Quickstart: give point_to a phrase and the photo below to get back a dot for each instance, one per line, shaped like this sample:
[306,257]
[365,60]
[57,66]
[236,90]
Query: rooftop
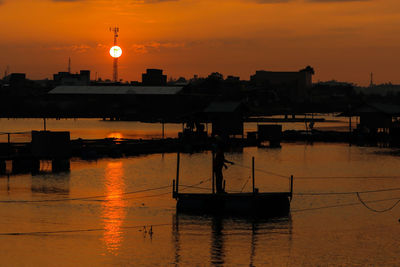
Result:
[117,90]
[222,107]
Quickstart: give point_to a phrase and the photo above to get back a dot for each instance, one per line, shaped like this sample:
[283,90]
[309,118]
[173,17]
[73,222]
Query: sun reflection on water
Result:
[115,135]
[114,212]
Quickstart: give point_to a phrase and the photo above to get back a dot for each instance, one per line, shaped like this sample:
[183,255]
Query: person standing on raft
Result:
[219,163]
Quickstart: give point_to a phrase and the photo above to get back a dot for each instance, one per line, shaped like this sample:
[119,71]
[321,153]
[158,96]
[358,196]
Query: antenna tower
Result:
[115,30]
[371,83]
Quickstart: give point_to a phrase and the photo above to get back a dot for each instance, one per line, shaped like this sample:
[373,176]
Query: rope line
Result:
[345,204]
[168,224]
[168,193]
[347,193]
[347,177]
[5,133]
[81,230]
[263,171]
[245,184]
[105,196]
[84,198]
[319,177]
[375,210]
[273,173]
[148,196]
[195,187]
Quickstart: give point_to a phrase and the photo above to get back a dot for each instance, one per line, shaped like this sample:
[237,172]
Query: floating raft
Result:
[267,205]
[236,204]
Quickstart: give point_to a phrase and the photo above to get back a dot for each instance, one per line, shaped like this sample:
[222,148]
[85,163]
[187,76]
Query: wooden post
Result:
[9,144]
[177,174]
[213,174]
[163,130]
[291,187]
[173,189]
[350,130]
[252,170]
[350,124]
[305,121]
[44,124]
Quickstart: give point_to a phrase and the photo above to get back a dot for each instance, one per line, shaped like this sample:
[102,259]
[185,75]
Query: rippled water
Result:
[98,129]
[102,215]
[321,231]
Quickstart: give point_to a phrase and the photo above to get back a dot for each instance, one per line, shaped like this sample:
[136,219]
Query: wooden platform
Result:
[270,204]
[252,204]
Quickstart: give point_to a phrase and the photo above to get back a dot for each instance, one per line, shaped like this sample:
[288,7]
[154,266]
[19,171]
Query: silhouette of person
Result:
[219,163]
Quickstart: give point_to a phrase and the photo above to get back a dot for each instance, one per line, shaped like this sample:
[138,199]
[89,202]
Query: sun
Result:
[115,51]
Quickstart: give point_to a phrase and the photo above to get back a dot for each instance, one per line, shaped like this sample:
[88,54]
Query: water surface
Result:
[322,230]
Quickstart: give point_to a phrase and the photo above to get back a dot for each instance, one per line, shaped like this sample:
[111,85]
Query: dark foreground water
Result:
[108,230]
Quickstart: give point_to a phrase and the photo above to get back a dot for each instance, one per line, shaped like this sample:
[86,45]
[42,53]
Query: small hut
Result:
[226,118]
[378,122]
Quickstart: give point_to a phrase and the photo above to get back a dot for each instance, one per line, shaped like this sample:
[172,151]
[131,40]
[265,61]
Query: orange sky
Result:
[343,40]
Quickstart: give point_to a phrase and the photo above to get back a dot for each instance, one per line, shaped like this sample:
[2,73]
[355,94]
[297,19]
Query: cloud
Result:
[271,1]
[155,47]
[307,1]
[141,2]
[129,3]
[102,46]
[74,48]
[151,1]
[337,1]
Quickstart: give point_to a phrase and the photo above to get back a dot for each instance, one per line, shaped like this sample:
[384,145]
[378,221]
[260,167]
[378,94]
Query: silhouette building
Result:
[154,77]
[66,78]
[15,79]
[293,84]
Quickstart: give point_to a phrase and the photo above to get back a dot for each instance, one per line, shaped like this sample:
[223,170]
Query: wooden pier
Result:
[44,146]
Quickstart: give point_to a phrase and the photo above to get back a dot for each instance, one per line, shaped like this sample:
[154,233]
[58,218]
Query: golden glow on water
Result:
[323,230]
[113,212]
[115,135]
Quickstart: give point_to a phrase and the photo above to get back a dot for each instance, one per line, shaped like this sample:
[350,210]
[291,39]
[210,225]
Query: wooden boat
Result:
[269,204]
